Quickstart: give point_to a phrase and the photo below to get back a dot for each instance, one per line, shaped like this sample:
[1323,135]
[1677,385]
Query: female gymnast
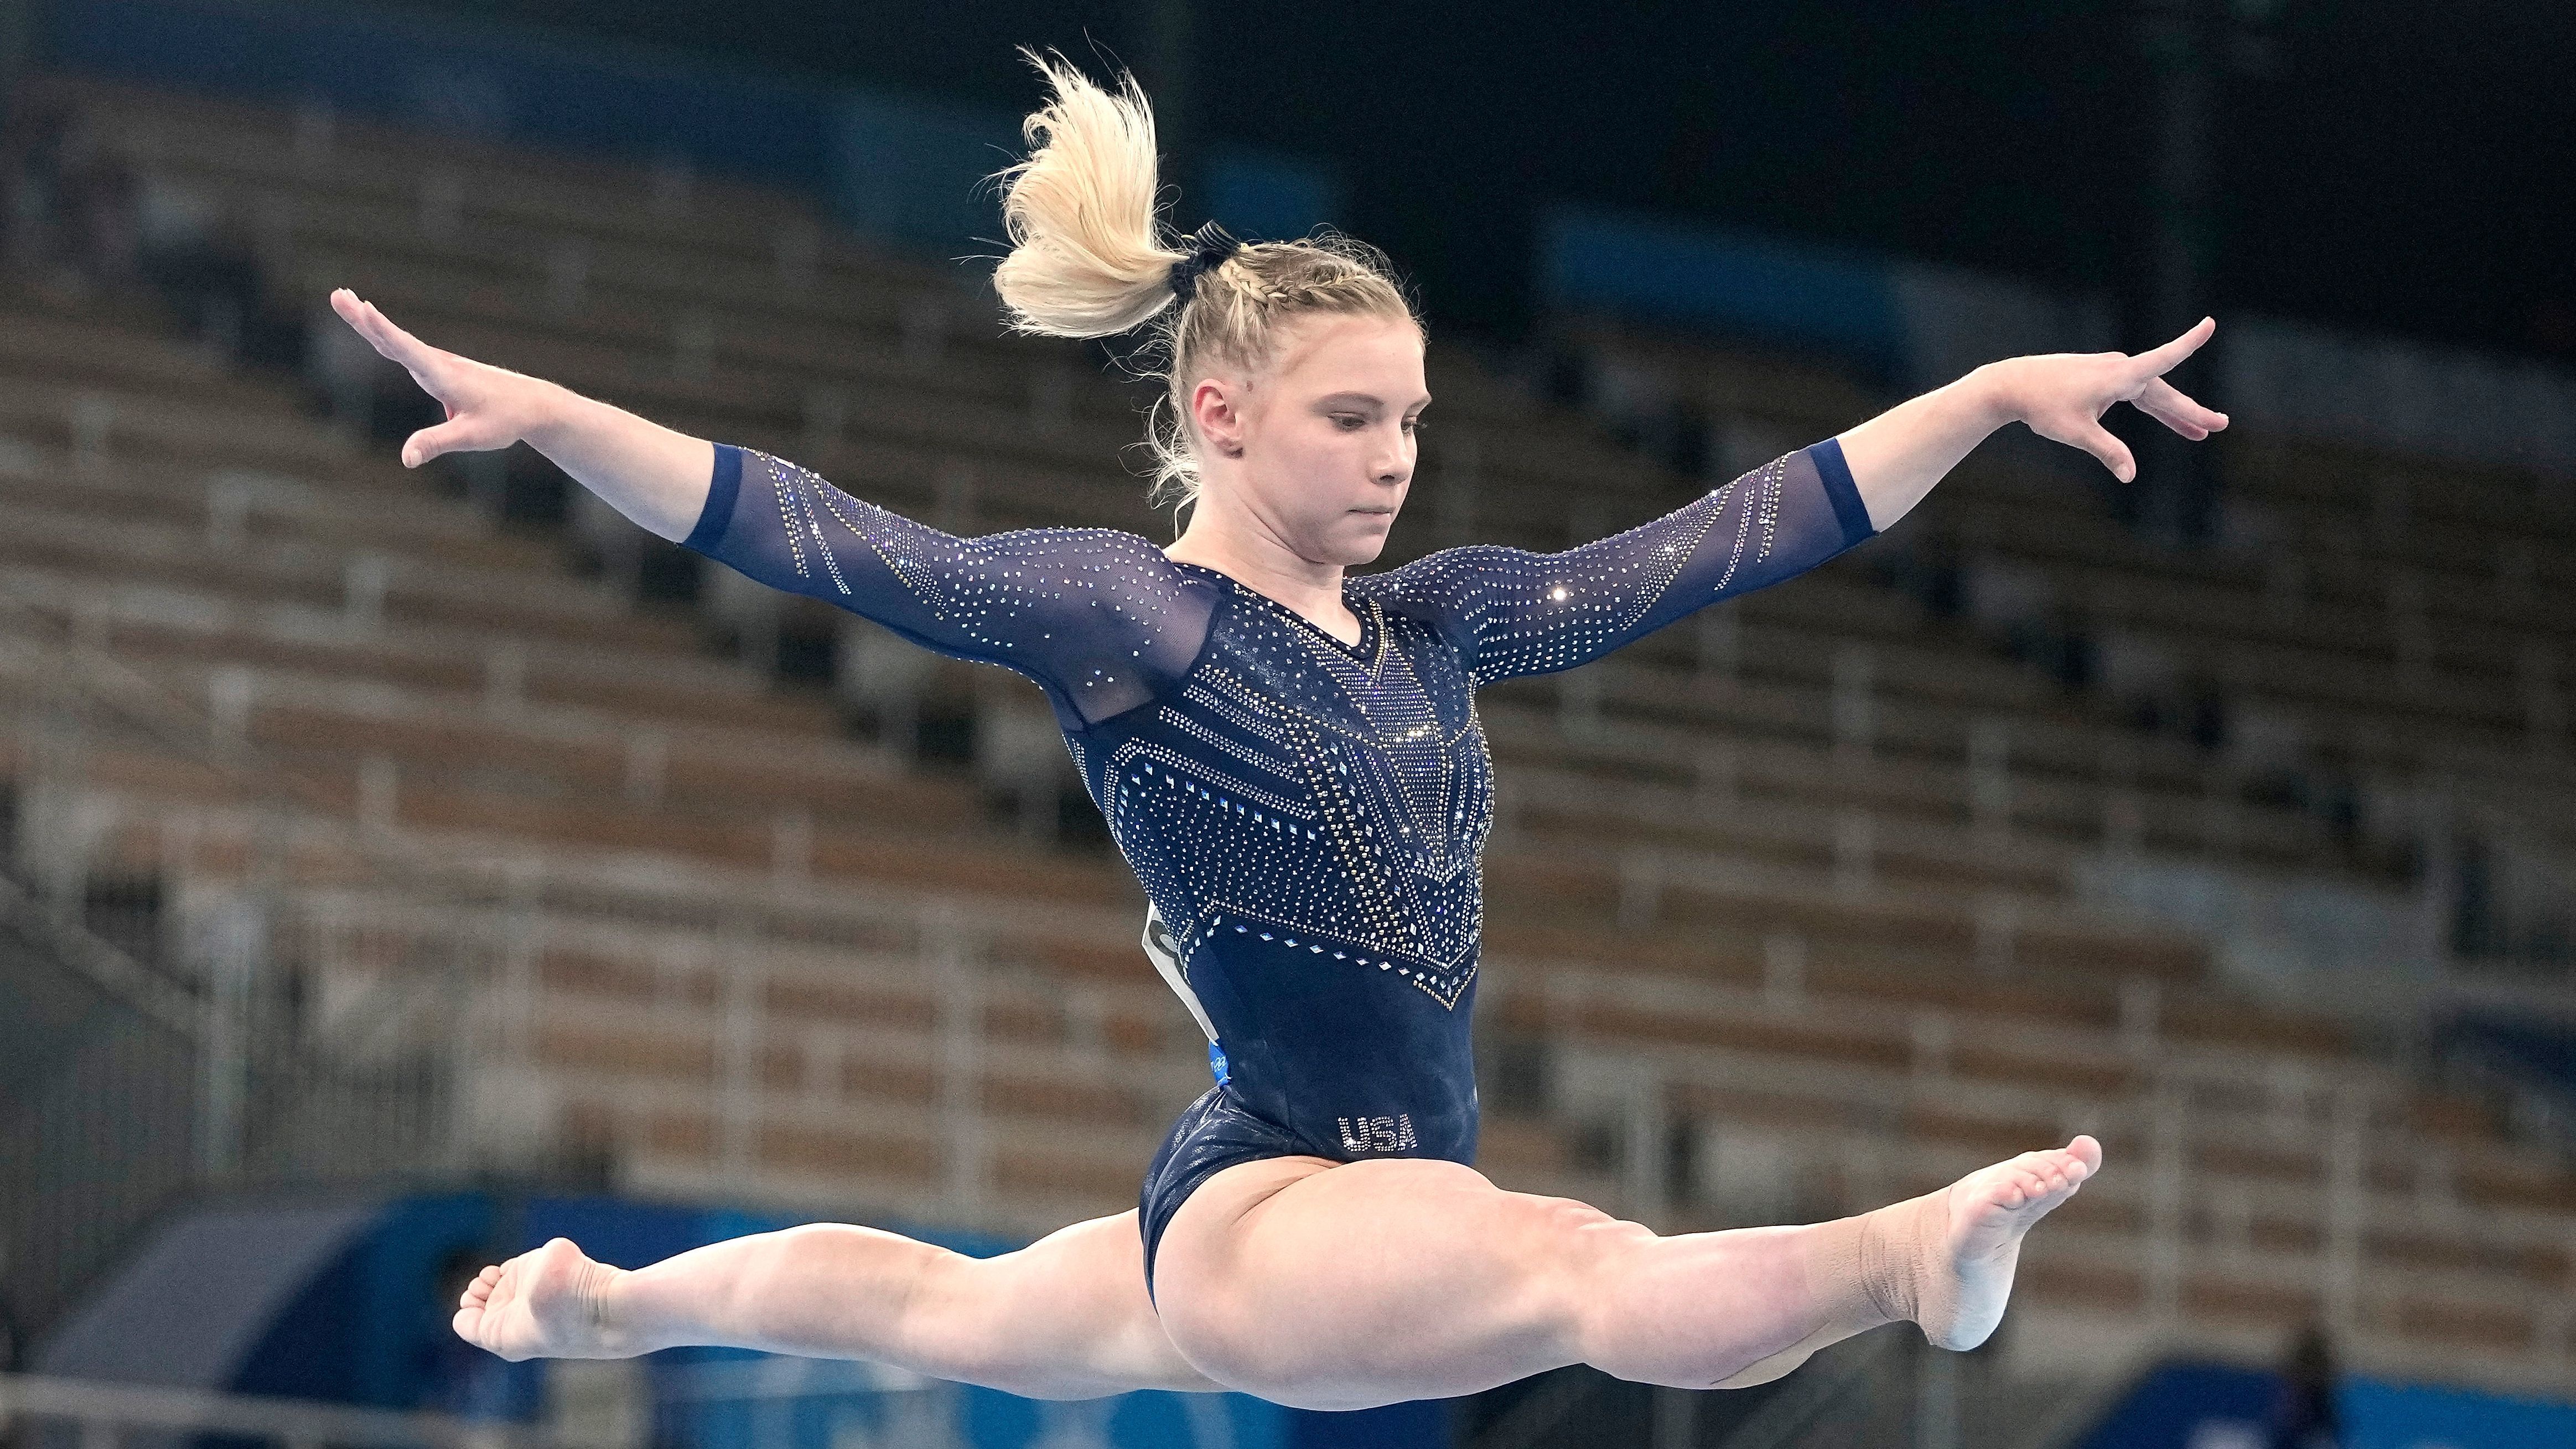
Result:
[1289,758]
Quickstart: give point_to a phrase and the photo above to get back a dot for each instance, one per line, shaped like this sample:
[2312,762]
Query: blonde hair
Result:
[1089,258]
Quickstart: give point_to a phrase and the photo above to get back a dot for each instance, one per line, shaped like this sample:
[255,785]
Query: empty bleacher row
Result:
[1799,857]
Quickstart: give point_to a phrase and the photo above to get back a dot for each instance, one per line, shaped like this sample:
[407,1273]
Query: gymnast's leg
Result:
[1346,1286]
[1064,1318]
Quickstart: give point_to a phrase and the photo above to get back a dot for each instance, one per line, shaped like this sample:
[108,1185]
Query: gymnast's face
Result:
[1318,451]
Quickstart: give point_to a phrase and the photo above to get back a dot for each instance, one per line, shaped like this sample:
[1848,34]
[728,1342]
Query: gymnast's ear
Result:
[1217,412]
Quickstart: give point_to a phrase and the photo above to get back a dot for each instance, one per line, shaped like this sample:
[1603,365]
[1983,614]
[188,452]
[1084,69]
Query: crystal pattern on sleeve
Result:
[1516,612]
[1097,616]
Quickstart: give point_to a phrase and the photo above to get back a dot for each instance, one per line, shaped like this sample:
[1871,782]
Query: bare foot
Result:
[1968,1238]
[540,1304]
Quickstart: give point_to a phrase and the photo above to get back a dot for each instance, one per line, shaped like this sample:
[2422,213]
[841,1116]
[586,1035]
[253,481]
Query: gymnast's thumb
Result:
[2114,454]
[428,443]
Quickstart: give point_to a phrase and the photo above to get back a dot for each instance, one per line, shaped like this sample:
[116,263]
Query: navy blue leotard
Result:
[1306,815]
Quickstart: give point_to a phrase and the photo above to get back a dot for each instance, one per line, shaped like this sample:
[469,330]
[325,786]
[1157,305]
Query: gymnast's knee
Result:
[1590,1258]
[1612,1280]
[957,1323]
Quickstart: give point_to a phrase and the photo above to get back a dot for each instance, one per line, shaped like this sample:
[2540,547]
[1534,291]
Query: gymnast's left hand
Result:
[2062,395]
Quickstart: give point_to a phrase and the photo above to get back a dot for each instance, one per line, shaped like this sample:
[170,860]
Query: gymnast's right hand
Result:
[487,407]
[544,1303]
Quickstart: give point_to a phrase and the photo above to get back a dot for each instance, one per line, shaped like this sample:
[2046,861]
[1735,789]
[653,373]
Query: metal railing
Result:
[774,1401]
[132,1090]
[59,1413]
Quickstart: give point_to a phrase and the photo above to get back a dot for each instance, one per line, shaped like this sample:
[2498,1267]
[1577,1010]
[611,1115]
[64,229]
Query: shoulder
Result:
[1448,581]
[1440,589]
[1070,572]
[1113,556]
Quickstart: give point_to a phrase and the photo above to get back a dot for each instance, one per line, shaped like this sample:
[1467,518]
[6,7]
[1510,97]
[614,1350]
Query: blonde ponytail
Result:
[1089,258]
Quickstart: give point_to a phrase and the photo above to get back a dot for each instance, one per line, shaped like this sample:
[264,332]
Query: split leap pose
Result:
[1288,756]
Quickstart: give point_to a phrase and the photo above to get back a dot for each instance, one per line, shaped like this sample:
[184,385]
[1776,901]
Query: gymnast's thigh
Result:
[1340,1285]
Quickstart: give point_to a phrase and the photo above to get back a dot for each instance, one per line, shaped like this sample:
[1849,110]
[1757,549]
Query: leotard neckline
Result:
[1362,648]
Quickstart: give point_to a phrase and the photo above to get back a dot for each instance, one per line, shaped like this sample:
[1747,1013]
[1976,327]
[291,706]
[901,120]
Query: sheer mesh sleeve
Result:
[1515,612]
[1100,618]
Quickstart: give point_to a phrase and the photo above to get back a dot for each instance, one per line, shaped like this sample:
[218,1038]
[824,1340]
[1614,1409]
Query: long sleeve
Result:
[1515,612]
[1100,618]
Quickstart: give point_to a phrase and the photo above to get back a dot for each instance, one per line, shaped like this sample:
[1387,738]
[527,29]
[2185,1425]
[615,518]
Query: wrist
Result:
[1992,393]
[549,410]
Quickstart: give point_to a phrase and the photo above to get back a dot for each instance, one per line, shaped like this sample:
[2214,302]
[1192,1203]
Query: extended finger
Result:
[2176,410]
[362,319]
[2158,361]
[380,332]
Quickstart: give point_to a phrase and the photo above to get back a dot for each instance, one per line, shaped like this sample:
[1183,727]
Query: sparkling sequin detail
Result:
[1306,816]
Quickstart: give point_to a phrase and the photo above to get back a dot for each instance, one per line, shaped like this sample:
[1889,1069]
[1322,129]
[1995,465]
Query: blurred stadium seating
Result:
[627,871]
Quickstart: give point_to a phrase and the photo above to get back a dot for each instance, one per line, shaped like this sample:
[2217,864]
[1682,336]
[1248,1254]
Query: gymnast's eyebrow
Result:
[1370,398]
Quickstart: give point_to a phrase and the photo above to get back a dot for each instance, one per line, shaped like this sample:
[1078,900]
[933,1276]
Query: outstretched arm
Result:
[1095,615]
[1896,457]
[645,471]
[1515,612]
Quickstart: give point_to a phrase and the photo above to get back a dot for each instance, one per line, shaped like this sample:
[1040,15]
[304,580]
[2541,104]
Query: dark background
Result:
[2392,166]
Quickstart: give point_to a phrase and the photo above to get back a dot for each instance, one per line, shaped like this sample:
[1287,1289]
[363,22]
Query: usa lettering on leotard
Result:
[1379,1134]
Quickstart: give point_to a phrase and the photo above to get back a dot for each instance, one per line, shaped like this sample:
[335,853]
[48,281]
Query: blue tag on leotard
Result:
[1216,1059]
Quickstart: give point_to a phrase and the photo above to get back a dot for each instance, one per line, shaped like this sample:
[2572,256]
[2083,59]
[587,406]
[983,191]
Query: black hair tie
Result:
[1209,246]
